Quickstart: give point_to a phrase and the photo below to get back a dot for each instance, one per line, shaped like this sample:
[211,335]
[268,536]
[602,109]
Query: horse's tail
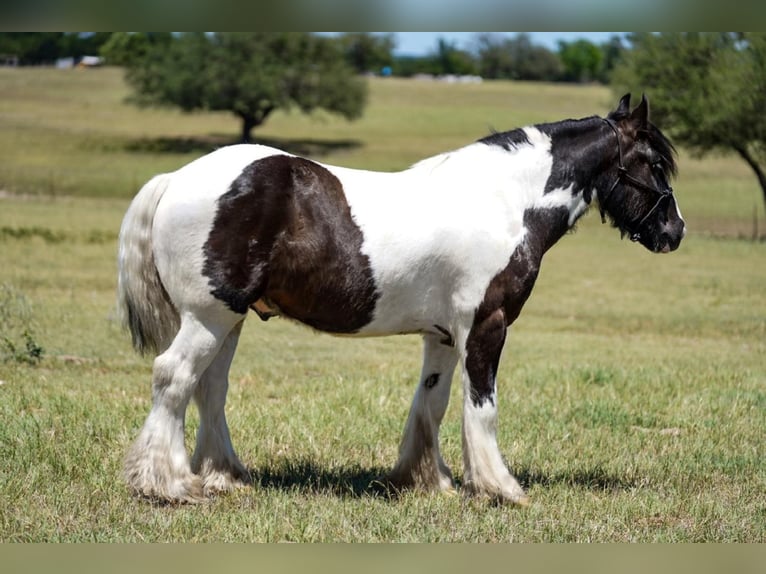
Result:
[143,304]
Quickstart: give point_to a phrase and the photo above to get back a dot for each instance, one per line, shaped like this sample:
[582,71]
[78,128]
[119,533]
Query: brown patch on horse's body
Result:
[504,298]
[284,242]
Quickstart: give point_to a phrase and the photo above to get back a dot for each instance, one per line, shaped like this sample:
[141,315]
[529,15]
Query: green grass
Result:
[632,388]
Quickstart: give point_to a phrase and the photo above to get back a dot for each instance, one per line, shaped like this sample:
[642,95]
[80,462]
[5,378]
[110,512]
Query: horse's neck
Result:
[522,177]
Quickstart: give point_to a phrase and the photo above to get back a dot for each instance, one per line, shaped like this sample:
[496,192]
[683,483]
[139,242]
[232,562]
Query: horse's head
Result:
[636,194]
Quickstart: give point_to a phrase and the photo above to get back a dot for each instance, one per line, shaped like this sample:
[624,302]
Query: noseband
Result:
[624,177]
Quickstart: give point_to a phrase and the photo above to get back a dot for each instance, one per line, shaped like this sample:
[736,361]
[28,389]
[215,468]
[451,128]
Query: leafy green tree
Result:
[449,59]
[127,48]
[446,58]
[516,58]
[582,60]
[366,52]
[78,44]
[32,47]
[613,51]
[708,90]
[248,74]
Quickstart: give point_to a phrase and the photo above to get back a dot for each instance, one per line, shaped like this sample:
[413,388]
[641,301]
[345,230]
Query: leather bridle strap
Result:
[624,177]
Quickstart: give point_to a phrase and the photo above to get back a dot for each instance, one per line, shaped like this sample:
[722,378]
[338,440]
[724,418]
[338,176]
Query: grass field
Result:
[632,389]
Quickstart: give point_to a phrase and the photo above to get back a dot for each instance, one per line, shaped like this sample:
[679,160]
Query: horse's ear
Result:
[623,109]
[640,116]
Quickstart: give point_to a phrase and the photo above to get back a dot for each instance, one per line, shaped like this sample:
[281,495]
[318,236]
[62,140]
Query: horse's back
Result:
[212,174]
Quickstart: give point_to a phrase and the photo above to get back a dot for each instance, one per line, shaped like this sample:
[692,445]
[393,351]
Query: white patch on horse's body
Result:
[574,203]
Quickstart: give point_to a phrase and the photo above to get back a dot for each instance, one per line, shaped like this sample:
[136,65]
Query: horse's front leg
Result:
[420,463]
[485,471]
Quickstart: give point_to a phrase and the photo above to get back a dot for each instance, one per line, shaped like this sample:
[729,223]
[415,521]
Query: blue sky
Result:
[421,43]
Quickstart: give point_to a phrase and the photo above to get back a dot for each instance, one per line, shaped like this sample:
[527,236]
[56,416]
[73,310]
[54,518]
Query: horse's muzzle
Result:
[671,238]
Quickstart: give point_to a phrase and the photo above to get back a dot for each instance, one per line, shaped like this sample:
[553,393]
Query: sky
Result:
[422,43]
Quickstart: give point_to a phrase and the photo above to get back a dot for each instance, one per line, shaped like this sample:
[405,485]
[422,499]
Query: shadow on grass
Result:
[308,476]
[354,481]
[596,479]
[206,144]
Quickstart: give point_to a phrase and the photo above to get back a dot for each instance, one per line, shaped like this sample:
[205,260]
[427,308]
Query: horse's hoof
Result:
[523,502]
[181,490]
[218,482]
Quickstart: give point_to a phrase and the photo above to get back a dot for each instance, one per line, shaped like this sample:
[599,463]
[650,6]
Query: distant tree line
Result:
[41,48]
[517,57]
[492,56]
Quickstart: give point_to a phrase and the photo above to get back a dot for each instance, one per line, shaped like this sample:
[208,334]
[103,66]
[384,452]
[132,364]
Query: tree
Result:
[367,53]
[450,60]
[613,51]
[32,47]
[740,101]
[35,48]
[248,74]
[581,59]
[708,90]
[516,58]
[127,48]
[79,44]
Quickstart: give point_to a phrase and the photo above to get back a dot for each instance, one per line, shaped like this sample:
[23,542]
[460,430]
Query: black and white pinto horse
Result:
[449,248]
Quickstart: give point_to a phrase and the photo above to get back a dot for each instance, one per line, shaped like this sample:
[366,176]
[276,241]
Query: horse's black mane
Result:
[511,140]
[507,140]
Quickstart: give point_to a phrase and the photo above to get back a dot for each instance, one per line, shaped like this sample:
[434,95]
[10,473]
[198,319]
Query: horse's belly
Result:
[434,281]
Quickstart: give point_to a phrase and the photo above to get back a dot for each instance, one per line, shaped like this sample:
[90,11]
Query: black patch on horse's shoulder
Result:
[573,143]
[510,288]
[509,141]
[284,231]
[505,296]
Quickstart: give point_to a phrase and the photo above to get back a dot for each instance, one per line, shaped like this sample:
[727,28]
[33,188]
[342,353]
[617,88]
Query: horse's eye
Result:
[659,174]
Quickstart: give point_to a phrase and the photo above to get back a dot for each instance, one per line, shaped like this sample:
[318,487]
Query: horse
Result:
[449,249]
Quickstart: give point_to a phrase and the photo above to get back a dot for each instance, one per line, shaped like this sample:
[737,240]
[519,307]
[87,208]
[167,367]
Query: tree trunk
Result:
[742,151]
[253,120]
[248,123]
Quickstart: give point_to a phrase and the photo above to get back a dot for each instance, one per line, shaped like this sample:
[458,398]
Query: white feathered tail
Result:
[143,304]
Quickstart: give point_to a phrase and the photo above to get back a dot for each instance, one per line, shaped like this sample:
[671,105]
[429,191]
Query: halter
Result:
[624,176]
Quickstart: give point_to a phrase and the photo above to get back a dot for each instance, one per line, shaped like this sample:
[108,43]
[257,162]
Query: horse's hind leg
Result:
[420,463]
[214,459]
[157,466]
